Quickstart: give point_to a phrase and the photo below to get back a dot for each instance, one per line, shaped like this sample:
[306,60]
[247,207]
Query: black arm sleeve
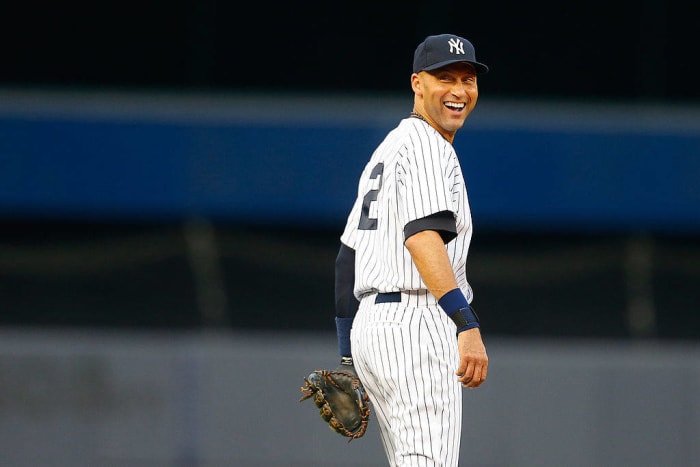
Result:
[345,302]
[442,222]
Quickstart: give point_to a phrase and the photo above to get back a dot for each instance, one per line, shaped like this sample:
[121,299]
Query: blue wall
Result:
[109,169]
[302,170]
[584,180]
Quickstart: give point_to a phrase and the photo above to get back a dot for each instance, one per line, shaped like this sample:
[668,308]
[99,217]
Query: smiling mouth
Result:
[458,106]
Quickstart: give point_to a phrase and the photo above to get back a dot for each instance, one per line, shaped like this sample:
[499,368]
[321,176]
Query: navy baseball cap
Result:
[441,50]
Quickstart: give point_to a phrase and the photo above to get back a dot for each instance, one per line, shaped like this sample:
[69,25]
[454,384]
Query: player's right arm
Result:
[427,248]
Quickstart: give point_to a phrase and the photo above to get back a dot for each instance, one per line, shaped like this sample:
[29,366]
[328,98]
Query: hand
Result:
[473,361]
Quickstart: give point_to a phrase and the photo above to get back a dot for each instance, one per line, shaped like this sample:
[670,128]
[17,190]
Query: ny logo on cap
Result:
[456,46]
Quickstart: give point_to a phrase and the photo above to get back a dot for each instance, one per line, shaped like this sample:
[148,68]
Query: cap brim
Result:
[480,67]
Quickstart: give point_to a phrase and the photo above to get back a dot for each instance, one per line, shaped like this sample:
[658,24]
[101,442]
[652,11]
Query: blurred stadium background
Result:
[174,178]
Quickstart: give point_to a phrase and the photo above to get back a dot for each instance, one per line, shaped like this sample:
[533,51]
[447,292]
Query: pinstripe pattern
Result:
[421,176]
[407,366]
[406,353]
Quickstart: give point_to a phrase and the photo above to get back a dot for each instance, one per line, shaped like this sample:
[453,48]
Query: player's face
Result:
[448,94]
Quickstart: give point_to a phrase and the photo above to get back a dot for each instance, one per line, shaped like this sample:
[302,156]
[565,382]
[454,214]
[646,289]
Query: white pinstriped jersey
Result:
[412,174]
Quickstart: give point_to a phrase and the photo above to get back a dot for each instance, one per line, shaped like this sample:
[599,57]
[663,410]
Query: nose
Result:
[459,89]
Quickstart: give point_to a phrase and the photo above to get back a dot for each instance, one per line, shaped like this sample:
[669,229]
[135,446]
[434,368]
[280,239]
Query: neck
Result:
[447,136]
[417,115]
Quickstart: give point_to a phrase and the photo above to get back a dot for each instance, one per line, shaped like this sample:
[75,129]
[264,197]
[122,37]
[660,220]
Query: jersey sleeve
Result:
[426,180]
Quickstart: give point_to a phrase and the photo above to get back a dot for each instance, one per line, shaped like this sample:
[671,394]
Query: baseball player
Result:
[403,316]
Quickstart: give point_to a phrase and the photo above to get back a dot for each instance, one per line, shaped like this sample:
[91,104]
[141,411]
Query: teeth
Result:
[454,105]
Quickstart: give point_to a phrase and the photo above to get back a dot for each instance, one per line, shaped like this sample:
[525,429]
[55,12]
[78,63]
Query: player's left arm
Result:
[346,304]
[427,248]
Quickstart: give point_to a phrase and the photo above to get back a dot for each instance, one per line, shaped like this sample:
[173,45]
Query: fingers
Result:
[472,372]
[473,378]
[473,361]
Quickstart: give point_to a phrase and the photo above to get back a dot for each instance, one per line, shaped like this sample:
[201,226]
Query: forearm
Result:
[430,256]
[346,304]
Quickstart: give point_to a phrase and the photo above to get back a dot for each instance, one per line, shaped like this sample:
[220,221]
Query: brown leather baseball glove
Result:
[342,400]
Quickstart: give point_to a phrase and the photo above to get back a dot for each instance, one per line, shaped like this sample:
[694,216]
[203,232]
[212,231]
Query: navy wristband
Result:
[457,308]
[465,318]
[343,327]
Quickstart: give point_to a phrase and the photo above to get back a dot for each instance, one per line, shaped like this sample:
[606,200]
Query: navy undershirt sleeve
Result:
[346,304]
[442,222]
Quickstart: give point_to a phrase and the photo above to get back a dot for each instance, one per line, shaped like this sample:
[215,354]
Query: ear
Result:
[416,84]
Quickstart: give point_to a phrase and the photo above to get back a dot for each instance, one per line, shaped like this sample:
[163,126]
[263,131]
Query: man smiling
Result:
[403,313]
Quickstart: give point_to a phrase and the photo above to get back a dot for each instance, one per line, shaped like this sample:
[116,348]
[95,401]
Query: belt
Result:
[388,297]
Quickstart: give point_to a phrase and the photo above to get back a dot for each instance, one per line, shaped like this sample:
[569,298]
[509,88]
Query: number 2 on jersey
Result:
[366,222]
